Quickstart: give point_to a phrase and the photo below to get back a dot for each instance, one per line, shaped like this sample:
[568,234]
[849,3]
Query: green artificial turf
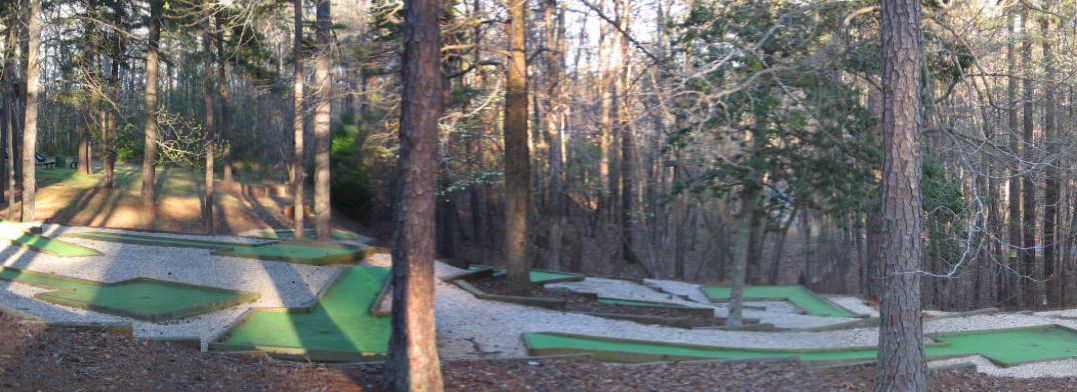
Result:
[157,240]
[143,299]
[339,322]
[286,234]
[297,252]
[51,246]
[536,276]
[803,298]
[634,302]
[1004,347]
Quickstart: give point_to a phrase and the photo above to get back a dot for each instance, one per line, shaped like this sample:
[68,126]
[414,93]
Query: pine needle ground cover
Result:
[296,252]
[141,299]
[1006,347]
[803,298]
[339,327]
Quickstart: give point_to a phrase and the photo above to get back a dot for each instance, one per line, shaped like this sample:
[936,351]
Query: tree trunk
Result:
[554,138]
[208,99]
[225,91]
[8,106]
[149,149]
[902,365]
[321,123]
[1014,295]
[1033,295]
[298,171]
[741,235]
[29,131]
[413,363]
[517,159]
[1051,184]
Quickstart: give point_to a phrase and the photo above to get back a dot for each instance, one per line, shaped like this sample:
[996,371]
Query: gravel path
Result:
[468,328]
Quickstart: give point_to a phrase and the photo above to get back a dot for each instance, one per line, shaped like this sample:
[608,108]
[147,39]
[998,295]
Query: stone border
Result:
[786,299]
[383,303]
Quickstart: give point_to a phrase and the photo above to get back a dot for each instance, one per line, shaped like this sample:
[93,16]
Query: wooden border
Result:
[378,308]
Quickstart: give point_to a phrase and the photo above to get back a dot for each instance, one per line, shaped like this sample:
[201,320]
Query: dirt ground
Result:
[34,358]
[68,198]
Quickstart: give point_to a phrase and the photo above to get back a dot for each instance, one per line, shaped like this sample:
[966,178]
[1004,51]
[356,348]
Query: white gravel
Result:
[280,284]
[467,327]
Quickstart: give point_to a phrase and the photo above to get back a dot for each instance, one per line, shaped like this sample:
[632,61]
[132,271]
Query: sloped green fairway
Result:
[142,299]
[156,240]
[296,252]
[803,298]
[536,276]
[285,234]
[338,327]
[1003,347]
[51,246]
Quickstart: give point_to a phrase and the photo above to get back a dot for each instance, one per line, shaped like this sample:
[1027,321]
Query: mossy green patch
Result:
[536,276]
[339,323]
[142,299]
[1003,347]
[285,234]
[803,298]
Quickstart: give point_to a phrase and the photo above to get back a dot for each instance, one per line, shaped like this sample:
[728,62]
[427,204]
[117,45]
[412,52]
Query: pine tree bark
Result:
[517,156]
[299,173]
[1033,294]
[1014,294]
[29,131]
[1051,184]
[210,130]
[554,121]
[9,116]
[901,360]
[413,363]
[149,149]
[322,80]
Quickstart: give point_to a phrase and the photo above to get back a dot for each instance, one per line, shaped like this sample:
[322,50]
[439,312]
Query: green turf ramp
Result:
[339,327]
[803,298]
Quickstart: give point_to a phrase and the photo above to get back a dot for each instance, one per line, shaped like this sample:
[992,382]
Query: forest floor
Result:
[36,358]
[68,198]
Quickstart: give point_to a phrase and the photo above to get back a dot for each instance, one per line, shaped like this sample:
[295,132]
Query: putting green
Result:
[803,298]
[156,240]
[285,234]
[338,327]
[51,246]
[1004,347]
[536,276]
[142,299]
[296,252]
